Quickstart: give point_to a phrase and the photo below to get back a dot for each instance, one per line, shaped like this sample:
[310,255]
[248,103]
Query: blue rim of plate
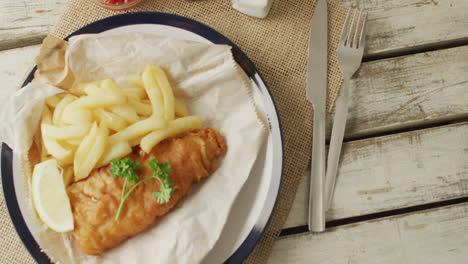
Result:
[244,250]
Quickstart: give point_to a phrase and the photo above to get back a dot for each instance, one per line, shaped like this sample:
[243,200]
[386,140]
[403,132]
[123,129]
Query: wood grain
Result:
[407,92]
[395,171]
[24,22]
[398,25]
[391,26]
[434,236]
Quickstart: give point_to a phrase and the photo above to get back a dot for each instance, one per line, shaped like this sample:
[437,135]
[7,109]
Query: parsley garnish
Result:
[161,172]
[127,167]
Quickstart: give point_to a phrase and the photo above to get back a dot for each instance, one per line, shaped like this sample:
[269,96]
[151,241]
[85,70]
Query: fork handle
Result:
[336,141]
[317,174]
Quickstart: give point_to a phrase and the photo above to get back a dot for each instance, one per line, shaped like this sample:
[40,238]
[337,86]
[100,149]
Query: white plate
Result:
[253,207]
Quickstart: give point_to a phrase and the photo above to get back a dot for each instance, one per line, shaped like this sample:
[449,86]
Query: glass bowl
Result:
[118,5]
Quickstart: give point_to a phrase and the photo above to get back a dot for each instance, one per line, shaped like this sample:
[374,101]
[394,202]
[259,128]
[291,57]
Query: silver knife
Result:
[317,94]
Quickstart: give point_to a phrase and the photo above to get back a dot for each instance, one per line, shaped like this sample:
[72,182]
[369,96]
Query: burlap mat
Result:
[278,47]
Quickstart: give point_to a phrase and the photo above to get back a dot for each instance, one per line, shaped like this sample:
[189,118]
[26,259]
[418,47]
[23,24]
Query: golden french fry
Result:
[52,146]
[53,101]
[135,142]
[180,108]
[135,79]
[92,89]
[67,145]
[112,120]
[176,126]
[167,94]
[85,146]
[108,85]
[108,95]
[79,89]
[154,92]
[94,154]
[76,132]
[58,112]
[73,142]
[96,101]
[70,147]
[126,112]
[137,92]
[67,175]
[64,132]
[56,150]
[115,151]
[141,108]
[138,129]
[77,117]
[83,150]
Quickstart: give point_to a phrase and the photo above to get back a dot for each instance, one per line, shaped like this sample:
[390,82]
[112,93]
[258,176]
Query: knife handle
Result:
[317,174]
[336,141]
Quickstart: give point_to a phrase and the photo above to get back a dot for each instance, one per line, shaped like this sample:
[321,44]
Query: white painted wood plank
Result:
[400,24]
[396,171]
[408,91]
[26,22]
[435,236]
[393,24]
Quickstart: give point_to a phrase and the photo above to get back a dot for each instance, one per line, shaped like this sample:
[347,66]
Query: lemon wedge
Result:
[50,198]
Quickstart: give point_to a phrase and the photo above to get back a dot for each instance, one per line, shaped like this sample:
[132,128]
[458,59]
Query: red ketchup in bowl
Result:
[118,4]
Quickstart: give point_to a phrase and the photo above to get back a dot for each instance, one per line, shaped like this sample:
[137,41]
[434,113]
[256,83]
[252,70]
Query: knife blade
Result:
[316,94]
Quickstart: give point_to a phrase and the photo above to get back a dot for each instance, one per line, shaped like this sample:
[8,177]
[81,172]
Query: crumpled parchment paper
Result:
[208,80]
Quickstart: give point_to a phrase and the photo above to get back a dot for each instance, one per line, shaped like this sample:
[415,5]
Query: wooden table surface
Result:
[402,187]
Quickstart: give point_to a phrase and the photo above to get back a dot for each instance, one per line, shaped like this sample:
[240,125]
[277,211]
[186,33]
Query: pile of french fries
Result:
[99,121]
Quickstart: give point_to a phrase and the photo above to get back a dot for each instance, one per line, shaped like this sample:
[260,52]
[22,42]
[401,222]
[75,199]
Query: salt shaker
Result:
[255,8]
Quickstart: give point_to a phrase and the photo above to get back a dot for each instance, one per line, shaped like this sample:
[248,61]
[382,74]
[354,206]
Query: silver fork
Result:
[350,51]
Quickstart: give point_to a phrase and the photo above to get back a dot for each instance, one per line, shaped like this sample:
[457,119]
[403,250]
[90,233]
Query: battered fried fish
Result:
[96,199]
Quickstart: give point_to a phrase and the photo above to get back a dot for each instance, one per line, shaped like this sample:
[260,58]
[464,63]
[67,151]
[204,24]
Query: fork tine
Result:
[345,26]
[363,31]
[353,27]
[355,40]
